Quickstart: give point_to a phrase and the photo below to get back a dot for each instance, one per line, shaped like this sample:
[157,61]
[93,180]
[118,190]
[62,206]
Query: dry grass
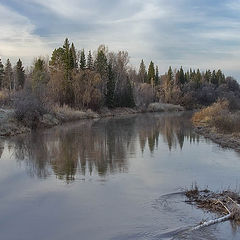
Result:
[206,115]
[4,97]
[66,113]
[219,117]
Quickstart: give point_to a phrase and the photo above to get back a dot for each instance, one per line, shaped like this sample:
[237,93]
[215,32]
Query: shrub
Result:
[28,108]
[4,98]
[206,115]
[227,123]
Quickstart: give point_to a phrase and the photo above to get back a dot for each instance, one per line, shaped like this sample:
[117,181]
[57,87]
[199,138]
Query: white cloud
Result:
[17,38]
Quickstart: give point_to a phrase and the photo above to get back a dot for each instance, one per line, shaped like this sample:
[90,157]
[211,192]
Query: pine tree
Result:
[110,88]
[73,57]
[90,61]
[142,72]
[157,79]
[8,77]
[1,74]
[20,75]
[151,73]
[82,60]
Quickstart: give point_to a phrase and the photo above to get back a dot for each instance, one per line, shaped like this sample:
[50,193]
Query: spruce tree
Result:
[181,76]
[101,65]
[142,72]
[8,77]
[208,76]
[73,57]
[220,77]
[57,59]
[66,58]
[90,61]
[157,79]
[20,75]
[110,88]
[169,75]
[197,78]
[214,79]
[1,74]
[151,73]
[129,96]
[82,60]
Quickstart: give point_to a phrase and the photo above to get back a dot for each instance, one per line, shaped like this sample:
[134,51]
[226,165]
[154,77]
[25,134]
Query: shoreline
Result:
[225,140]
[9,126]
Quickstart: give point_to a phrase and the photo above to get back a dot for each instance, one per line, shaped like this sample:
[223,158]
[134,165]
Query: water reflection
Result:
[99,146]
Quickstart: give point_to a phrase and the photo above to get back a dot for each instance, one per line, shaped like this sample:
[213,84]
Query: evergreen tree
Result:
[197,77]
[181,76]
[151,73]
[39,74]
[57,59]
[90,61]
[20,75]
[73,57]
[208,76]
[129,96]
[157,79]
[8,77]
[82,60]
[110,88]
[170,75]
[142,72]
[66,58]
[101,65]
[220,77]
[1,74]
[214,79]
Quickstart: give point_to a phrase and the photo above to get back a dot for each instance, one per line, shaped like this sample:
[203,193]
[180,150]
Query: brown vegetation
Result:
[218,116]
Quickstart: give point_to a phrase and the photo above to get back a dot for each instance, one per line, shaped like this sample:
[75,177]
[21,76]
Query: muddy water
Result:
[112,179]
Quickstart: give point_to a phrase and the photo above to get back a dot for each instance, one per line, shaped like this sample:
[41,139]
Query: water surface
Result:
[111,179]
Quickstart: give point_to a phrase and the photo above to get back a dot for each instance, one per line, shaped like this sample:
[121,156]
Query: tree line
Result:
[104,79]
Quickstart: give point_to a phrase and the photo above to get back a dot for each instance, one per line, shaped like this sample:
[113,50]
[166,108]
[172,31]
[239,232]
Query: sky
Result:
[189,33]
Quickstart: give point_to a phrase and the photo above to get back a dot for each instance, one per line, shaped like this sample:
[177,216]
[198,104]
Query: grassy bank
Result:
[219,123]
[26,118]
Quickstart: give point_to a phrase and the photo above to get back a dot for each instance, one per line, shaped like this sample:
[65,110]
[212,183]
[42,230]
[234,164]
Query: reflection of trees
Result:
[101,146]
[173,128]
[1,147]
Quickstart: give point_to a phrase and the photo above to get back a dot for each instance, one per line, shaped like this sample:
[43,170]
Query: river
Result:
[112,179]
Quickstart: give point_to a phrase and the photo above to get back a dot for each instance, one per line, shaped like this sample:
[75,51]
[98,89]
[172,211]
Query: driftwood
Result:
[224,204]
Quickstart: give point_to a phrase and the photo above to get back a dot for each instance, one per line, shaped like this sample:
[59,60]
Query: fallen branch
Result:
[211,222]
[220,203]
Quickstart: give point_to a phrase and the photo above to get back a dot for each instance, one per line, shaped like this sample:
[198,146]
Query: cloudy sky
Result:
[203,33]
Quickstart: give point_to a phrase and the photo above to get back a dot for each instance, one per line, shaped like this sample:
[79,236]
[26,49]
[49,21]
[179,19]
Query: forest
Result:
[102,78]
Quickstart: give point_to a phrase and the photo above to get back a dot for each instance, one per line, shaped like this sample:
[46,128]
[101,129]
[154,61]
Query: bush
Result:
[4,98]
[218,116]
[28,108]
[206,115]
[227,123]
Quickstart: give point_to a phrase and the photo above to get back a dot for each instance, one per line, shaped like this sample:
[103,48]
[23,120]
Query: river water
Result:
[112,179]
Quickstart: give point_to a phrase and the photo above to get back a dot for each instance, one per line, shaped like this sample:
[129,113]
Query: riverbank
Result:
[9,126]
[219,124]
[225,140]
